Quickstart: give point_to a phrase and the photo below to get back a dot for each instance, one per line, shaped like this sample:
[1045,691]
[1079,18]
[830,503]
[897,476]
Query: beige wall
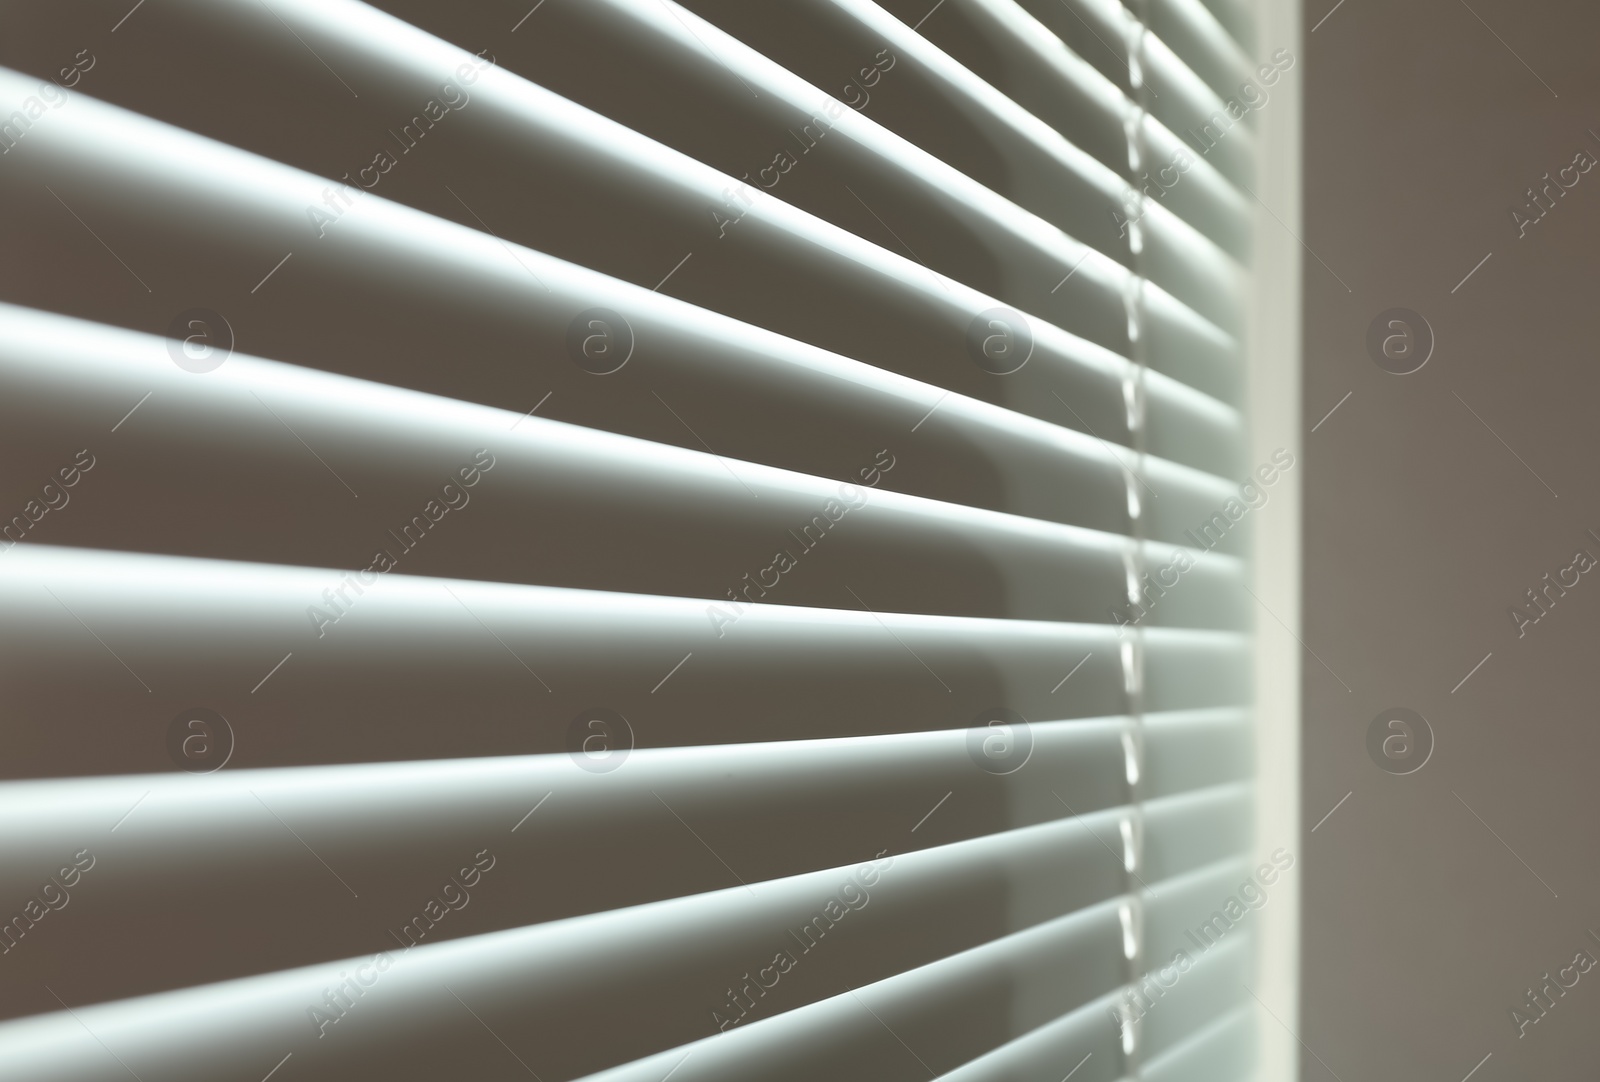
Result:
[1431,506]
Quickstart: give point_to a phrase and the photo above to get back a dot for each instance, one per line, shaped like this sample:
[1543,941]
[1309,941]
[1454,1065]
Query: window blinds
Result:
[621,539]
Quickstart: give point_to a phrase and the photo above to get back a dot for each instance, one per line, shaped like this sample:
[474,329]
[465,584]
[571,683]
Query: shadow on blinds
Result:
[400,684]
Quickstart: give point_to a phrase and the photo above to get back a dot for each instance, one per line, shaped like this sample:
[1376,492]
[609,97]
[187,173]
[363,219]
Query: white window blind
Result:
[623,539]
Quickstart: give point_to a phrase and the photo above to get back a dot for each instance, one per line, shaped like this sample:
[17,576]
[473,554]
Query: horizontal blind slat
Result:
[937,1014]
[1182,101]
[1189,830]
[395,833]
[1199,39]
[1223,1051]
[918,1023]
[638,961]
[796,723]
[1205,274]
[67,376]
[407,655]
[1238,17]
[1213,989]
[1083,1040]
[1183,916]
[1088,1039]
[567,506]
[1012,51]
[939,106]
[205,229]
[1186,105]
